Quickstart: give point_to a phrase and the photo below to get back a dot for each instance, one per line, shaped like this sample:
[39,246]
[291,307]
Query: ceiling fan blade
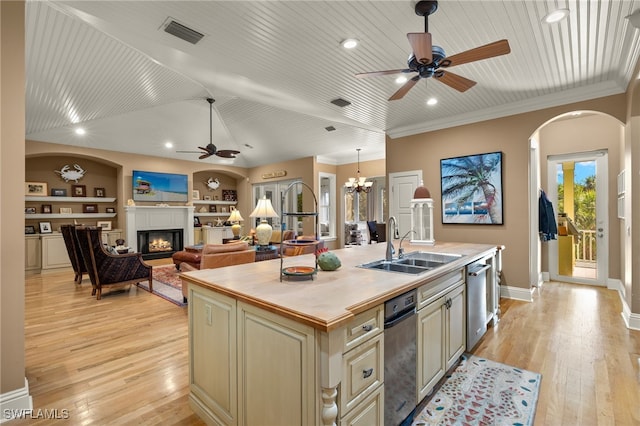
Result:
[189,152]
[207,149]
[421,46]
[490,50]
[377,73]
[404,89]
[461,84]
[227,153]
[203,156]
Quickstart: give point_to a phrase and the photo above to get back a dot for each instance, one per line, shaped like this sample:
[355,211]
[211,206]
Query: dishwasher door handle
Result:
[477,272]
[395,321]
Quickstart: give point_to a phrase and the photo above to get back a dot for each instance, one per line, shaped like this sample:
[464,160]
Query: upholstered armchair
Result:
[106,269]
[219,255]
[75,255]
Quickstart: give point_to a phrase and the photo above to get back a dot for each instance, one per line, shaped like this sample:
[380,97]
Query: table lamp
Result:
[263,210]
[235,219]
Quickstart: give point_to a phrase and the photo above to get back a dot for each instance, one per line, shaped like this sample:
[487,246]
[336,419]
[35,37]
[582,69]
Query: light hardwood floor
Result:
[124,360]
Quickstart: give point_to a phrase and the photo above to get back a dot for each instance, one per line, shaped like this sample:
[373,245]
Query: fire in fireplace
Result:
[159,243]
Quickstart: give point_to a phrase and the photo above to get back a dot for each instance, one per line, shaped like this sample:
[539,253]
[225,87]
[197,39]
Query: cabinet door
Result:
[456,327]
[278,388]
[212,349]
[32,253]
[54,252]
[430,346]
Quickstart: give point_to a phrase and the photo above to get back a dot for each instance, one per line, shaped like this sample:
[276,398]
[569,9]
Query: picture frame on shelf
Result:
[29,229]
[99,192]
[35,188]
[58,192]
[196,221]
[46,208]
[195,194]
[45,228]
[213,209]
[110,210]
[78,190]
[207,197]
[29,210]
[89,208]
[229,195]
[66,210]
[104,224]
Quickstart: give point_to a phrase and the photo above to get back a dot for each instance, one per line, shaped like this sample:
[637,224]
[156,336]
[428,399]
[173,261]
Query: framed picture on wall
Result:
[195,194]
[35,188]
[58,192]
[45,228]
[100,192]
[29,229]
[46,208]
[89,208]
[105,225]
[472,189]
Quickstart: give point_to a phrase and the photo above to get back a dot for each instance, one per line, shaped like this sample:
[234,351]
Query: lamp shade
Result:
[264,209]
[235,216]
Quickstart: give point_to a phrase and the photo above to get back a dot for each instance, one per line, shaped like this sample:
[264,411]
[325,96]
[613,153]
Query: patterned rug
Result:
[166,284]
[483,392]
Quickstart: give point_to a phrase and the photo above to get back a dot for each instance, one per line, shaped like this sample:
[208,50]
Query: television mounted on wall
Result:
[160,187]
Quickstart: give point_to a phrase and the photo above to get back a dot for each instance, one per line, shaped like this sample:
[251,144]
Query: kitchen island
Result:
[264,351]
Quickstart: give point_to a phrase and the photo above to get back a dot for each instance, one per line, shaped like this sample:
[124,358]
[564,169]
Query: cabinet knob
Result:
[367,327]
[367,373]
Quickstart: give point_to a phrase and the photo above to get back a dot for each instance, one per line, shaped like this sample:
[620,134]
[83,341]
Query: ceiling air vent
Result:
[329,128]
[181,31]
[340,102]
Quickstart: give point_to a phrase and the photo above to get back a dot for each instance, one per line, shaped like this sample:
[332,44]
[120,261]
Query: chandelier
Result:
[358,183]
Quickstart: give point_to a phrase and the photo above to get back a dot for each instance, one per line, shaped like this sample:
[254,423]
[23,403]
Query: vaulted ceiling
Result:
[274,66]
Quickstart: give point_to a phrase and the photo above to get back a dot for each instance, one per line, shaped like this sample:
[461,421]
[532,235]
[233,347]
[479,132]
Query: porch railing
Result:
[586,247]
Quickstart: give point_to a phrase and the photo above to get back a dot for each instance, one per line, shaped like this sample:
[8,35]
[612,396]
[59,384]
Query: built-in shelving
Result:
[218,202]
[68,215]
[51,199]
[211,214]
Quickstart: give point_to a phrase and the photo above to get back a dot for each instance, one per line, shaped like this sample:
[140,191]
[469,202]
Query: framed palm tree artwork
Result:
[472,189]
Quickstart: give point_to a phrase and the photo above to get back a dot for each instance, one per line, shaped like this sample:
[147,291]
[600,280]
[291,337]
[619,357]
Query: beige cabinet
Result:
[32,253]
[215,235]
[441,334]
[250,366]
[48,251]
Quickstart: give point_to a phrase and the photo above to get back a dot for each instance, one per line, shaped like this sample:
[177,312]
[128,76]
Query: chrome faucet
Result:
[400,249]
[391,233]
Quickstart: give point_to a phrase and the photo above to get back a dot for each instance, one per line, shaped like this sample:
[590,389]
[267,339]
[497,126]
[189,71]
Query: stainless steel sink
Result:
[394,266]
[440,258]
[414,263]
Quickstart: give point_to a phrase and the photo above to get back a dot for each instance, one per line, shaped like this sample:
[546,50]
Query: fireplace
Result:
[159,243]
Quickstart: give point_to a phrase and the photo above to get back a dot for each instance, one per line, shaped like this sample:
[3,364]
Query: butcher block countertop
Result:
[332,298]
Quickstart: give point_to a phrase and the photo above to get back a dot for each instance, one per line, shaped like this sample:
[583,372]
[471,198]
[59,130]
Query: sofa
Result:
[219,255]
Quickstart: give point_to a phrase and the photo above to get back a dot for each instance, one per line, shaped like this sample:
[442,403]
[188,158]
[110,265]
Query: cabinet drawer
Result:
[436,288]
[369,412]
[364,326]
[362,372]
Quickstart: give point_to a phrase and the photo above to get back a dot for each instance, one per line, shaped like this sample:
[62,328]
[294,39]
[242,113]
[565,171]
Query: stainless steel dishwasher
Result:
[400,392]
[476,302]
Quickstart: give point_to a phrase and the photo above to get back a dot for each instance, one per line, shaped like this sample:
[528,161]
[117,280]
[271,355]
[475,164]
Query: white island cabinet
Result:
[264,351]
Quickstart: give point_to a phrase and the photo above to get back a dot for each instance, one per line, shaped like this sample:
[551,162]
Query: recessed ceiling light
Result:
[80,131]
[556,16]
[349,43]
[432,101]
[168,145]
[401,80]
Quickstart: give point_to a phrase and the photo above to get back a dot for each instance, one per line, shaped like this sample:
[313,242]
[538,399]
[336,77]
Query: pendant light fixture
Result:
[358,183]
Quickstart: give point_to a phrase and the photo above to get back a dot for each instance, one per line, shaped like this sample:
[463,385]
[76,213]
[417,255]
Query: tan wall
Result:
[12,130]
[509,135]
[588,133]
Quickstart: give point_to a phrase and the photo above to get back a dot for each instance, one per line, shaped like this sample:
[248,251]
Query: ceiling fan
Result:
[210,149]
[427,59]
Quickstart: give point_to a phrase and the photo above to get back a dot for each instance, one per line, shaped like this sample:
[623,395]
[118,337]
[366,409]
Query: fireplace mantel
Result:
[145,218]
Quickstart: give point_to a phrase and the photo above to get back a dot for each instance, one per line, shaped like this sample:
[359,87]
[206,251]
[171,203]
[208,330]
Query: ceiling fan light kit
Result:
[211,149]
[426,59]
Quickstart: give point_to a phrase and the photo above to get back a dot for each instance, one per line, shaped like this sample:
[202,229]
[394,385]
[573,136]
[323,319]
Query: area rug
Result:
[166,284]
[483,392]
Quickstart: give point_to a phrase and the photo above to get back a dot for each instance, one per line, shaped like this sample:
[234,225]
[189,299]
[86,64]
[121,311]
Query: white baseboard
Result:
[517,293]
[545,277]
[15,401]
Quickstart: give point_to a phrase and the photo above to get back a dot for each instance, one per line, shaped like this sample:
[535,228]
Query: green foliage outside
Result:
[584,197]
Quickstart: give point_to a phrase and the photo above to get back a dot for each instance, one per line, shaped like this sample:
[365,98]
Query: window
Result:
[327,206]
